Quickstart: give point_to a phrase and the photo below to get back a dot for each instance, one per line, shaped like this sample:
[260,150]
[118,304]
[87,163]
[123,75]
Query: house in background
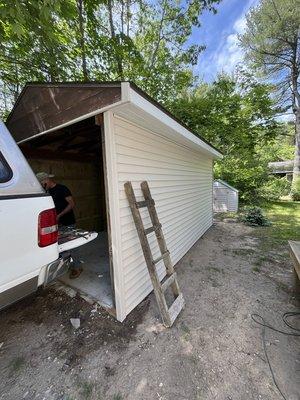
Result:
[282,169]
[94,137]
[225,197]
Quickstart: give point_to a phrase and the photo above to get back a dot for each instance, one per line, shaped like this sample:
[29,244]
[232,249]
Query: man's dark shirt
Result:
[59,193]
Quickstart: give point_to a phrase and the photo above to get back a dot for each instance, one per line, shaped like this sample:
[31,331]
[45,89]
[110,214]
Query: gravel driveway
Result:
[213,352]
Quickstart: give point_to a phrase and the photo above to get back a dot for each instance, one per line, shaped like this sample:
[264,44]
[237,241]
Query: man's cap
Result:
[43,175]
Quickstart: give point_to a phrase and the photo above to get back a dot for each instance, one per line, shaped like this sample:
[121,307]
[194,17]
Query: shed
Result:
[226,197]
[282,169]
[96,136]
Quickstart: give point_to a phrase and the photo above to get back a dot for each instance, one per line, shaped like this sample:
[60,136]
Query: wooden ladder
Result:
[168,314]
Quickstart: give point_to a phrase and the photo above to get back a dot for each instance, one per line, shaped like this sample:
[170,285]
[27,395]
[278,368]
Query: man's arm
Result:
[70,206]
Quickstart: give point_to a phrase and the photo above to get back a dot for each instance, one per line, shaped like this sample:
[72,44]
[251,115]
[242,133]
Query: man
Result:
[64,205]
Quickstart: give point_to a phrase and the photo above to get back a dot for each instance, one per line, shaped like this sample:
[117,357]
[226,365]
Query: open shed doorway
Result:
[74,155]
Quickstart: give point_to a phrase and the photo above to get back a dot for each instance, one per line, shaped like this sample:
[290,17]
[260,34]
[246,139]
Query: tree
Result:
[272,45]
[35,43]
[238,117]
[63,40]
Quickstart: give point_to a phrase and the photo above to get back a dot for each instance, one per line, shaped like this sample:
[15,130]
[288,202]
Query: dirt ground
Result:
[214,350]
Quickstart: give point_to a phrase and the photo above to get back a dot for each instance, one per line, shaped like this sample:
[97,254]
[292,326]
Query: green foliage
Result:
[270,40]
[295,191]
[238,117]
[274,189]
[282,147]
[272,45]
[254,216]
[68,40]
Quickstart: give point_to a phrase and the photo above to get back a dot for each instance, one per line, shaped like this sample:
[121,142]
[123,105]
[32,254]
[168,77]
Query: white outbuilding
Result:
[225,197]
[94,137]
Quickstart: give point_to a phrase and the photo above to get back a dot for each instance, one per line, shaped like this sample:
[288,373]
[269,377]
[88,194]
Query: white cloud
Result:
[229,54]
[240,24]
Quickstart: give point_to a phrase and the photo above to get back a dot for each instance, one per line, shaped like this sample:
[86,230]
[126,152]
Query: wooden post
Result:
[100,122]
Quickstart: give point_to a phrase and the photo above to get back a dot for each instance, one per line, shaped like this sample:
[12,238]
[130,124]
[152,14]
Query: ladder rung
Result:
[168,282]
[144,203]
[152,229]
[176,307]
[160,258]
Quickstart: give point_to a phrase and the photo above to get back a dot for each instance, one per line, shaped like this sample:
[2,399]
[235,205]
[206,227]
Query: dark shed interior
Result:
[74,155]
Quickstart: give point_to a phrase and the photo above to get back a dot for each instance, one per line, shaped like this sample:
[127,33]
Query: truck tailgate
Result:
[71,238]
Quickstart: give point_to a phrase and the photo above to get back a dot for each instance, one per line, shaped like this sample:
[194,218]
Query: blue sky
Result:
[219,33]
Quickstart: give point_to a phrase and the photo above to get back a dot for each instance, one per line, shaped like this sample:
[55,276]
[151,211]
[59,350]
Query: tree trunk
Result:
[114,39]
[128,17]
[295,189]
[296,169]
[82,40]
[295,192]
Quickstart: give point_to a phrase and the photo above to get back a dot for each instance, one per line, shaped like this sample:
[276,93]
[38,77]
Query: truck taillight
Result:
[48,229]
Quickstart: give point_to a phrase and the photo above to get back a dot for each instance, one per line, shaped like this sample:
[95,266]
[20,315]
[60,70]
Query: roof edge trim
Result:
[226,184]
[137,98]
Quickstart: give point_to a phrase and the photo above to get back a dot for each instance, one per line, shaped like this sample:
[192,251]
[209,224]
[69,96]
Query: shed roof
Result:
[41,107]
[44,107]
[281,167]
[226,184]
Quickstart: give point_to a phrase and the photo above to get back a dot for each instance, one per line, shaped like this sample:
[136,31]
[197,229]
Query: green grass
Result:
[256,269]
[86,389]
[185,328]
[225,215]
[285,219]
[17,364]
[118,397]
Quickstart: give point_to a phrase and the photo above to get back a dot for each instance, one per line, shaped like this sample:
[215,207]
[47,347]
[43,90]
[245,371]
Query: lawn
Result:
[285,219]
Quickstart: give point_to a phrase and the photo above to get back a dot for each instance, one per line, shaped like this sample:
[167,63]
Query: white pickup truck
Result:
[31,249]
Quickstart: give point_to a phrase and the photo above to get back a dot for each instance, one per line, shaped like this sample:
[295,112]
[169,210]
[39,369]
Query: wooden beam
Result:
[82,145]
[47,139]
[99,119]
[66,142]
[44,154]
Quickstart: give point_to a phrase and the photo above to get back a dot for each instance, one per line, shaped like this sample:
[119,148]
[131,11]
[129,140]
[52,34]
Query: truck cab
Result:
[32,254]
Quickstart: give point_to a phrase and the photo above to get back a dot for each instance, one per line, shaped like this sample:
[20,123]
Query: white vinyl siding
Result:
[180,181]
[233,201]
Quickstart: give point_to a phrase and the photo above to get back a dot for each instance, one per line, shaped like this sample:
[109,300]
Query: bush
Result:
[254,216]
[295,191]
[275,188]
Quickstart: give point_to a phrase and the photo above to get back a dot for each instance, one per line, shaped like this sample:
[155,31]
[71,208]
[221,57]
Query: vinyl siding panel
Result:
[220,199]
[225,199]
[233,201]
[180,180]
